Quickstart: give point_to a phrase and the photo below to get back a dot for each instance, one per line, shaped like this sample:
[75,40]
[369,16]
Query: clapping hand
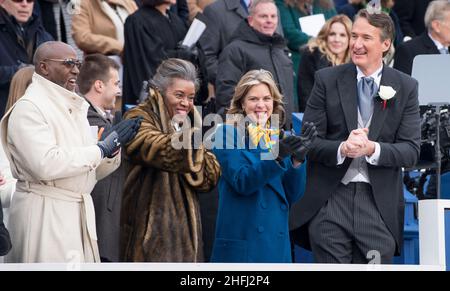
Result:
[287,146]
[358,144]
[307,138]
[119,134]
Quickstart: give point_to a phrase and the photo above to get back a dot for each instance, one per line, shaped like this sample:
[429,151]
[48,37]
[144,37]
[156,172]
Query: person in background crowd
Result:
[340,3]
[99,28]
[152,34]
[197,6]
[56,16]
[353,208]
[21,32]
[387,6]
[160,210]
[100,84]
[52,217]
[329,48]
[255,194]
[352,8]
[290,12]
[19,84]
[223,18]
[411,14]
[180,8]
[436,40]
[256,45]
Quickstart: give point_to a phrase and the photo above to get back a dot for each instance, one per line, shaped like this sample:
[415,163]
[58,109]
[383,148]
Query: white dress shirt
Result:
[373,159]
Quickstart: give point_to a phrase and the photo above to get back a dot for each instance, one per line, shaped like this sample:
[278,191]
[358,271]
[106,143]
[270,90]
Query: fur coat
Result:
[160,219]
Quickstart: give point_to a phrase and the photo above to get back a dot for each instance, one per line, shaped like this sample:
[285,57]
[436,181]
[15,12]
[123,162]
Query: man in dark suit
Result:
[99,83]
[411,14]
[256,45]
[353,206]
[436,40]
[223,17]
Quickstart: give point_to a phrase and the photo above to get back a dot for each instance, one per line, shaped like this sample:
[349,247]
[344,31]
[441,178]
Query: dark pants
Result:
[349,229]
[208,208]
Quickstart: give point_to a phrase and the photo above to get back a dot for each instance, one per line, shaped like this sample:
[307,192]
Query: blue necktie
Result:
[366,90]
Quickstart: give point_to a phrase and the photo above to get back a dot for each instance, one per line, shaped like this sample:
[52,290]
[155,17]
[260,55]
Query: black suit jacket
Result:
[107,198]
[332,106]
[411,14]
[407,51]
[310,63]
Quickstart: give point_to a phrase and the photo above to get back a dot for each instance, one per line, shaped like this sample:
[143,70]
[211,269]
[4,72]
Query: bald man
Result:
[57,160]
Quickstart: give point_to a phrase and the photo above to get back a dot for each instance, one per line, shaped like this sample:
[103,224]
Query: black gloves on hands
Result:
[307,138]
[186,53]
[119,134]
[287,146]
[110,145]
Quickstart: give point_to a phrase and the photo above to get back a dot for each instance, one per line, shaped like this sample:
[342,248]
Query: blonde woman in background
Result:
[329,48]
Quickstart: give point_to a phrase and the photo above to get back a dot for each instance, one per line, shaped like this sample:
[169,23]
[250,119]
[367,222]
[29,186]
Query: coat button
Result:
[263,205]
[283,207]
[70,111]
[260,228]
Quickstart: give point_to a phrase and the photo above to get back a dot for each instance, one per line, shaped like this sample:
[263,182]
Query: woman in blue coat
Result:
[261,176]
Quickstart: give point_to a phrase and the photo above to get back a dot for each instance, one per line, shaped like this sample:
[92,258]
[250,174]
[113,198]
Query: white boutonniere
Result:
[386,93]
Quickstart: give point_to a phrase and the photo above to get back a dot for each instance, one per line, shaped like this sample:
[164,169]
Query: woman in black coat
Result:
[151,36]
[330,48]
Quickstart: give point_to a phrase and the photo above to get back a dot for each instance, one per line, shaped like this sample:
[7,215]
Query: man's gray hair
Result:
[171,69]
[255,3]
[436,10]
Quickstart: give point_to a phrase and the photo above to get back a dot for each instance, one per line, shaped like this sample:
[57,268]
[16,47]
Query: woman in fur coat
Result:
[160,210]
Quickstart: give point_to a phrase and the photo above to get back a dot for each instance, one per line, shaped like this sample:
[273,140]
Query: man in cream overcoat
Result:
[57,161]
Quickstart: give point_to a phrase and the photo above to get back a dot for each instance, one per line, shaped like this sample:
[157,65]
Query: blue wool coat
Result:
[254,200]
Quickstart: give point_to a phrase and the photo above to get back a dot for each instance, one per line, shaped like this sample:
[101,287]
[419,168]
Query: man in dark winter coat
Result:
[21,32]
[255,45]
[99,83]
[436,40]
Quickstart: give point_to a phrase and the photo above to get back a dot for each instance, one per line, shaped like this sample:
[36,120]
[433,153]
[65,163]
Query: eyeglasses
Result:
[20,1]
[67,62]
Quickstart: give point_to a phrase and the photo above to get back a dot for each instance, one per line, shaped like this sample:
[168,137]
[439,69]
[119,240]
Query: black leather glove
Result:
[287,146]
[110,145]
[186,53]
[5,240]
[119,134]
[126,130]
[307,138]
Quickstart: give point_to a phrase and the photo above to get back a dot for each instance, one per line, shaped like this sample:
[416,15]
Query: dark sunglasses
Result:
[67,62]
[20,1]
